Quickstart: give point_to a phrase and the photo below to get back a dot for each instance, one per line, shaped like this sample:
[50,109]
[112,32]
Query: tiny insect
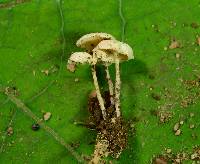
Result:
[35,127]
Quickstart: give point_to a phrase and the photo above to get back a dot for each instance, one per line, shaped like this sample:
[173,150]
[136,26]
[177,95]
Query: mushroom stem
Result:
[99,97]
[117,87]
[110,85]
[101,150]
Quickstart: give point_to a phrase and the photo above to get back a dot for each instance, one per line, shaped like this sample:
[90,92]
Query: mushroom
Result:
[116,52]
[80,57]
[86,58]
[89,42]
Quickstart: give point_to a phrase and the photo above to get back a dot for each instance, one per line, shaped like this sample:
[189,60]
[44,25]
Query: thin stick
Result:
[123,21]
[13,3]
[117,87]
[28,112]
[110,85]
[99,97]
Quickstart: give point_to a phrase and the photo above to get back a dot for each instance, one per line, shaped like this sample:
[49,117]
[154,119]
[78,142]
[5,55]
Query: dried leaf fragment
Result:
[176,126]
[46,72]
[71,67]
[178,132]
[47,116]
[192,126]
[169,151]
[174,44]
[160,160]
[198,41]
[9,131]
[93,94]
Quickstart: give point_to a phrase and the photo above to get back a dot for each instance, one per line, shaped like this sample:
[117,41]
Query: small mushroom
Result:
[89,42]
[83,58]
[80,57]
[117,52]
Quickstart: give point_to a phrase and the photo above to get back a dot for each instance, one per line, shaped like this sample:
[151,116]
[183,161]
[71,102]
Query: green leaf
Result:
[35,47]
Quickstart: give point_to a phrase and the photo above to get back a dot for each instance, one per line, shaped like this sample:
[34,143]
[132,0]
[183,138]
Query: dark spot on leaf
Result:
[155,96]
[154,112]
[35,127]
[194,25]
[151,76]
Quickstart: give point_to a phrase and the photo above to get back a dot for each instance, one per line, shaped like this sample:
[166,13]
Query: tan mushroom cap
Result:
[80,57]
[103,57]
[112,47]
[90,41]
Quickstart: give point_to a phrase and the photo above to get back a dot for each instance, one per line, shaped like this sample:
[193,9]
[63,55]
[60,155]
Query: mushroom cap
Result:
[113,47]
[103,57]
[80,57]
[90,41]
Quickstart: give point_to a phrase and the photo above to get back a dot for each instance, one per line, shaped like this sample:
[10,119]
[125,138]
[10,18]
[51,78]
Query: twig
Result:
[123,21]
[49,130]
[13,3]
[43,90]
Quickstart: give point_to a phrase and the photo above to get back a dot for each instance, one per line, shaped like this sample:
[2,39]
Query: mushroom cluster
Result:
[103,48]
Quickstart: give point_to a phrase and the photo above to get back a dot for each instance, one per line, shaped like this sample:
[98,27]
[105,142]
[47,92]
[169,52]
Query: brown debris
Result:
[76,80]
[194,25]
[50,70]
[179,157]
[174,44]
[196,154]
[93,94]
[47,116]
[12,90]
[168,151]
[191,126]
[160,160]
[71,67]
[13,3]
[155,96]
[10,131]
[192,83]
[187,101]
[181,122]
[176,126]
[193,87]
[46,72]
[198,41]
[112,129]
[164,116]
[178,132]
[178,56]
